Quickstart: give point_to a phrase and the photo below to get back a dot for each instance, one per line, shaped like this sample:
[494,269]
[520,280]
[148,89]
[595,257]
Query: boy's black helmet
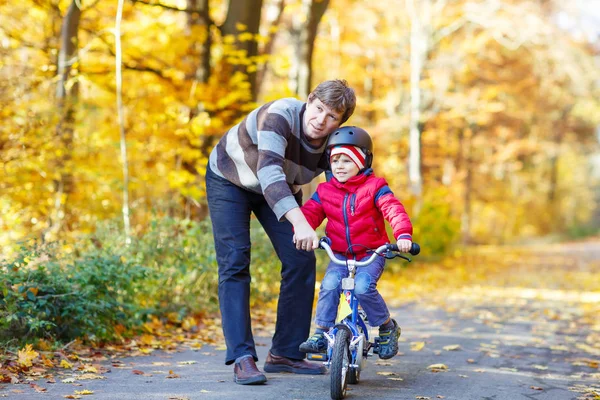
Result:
[353,136]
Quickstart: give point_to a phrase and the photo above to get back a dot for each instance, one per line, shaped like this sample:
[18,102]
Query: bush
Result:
[45,297]
[435,228]
[170,271]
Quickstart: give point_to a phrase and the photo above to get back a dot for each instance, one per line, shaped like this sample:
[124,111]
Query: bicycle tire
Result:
[340,364]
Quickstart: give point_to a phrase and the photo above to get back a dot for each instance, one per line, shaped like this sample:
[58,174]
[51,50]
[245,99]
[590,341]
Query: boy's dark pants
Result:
[230,207]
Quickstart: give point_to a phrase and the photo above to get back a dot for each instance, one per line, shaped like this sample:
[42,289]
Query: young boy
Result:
[355,203]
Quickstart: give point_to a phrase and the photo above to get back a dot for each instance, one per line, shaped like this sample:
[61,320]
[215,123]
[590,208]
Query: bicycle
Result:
[348,342]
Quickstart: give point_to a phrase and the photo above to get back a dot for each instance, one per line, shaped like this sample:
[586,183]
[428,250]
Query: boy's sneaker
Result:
[315,344]
[388,342]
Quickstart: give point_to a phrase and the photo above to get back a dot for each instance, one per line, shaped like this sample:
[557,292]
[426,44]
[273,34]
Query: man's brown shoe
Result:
[245,372]
[282,364]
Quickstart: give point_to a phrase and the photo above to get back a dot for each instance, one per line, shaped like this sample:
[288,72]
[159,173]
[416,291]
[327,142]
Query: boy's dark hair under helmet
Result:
[352,136]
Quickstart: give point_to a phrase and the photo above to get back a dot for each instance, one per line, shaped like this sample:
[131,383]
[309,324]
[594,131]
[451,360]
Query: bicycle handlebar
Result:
[325,244]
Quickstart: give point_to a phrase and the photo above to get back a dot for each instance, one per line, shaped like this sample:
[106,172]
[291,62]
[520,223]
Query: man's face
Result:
[319,121]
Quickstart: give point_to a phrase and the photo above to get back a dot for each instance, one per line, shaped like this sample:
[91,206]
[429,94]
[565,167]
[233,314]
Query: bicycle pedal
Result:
[376,346]
[366,349]
[317,357]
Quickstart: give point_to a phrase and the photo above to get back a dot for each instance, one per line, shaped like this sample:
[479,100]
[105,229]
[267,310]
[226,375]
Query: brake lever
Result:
[389,254]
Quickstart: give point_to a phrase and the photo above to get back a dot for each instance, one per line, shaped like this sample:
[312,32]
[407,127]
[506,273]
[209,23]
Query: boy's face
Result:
[319,121]
[343,167]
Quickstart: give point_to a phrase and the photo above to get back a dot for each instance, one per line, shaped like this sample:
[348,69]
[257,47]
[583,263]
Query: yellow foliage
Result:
[26,356]
[245,37]
[492,111]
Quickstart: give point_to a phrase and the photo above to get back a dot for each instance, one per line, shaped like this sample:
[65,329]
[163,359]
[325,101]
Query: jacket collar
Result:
[352,184]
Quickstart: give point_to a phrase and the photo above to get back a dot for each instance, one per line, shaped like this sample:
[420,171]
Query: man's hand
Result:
[404,245]
[305,236]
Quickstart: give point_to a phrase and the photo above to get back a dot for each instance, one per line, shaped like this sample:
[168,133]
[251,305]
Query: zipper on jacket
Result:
[352,201]
[347,225]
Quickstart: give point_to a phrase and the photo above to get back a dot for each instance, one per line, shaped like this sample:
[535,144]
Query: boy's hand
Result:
[404,245]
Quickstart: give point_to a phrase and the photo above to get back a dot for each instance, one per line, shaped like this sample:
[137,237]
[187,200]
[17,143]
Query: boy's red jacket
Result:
[355,212]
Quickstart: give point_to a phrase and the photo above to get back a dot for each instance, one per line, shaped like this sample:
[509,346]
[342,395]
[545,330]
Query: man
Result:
[258,167]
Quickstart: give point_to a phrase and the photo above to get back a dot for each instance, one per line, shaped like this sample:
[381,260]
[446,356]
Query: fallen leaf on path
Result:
[396,379]
[422,398]
[471,361]
[38,388]
[137,372]
[84,392]
[417,346]
[536,388]
[387,373]
[464,376]
[27,355]
[540,367]
[559,348]
[161,363]
[172,375]
[65,364]
[84,377]
[384,363]
[438,367]
[187,362]
[68,380]
[452,347]
[71,396]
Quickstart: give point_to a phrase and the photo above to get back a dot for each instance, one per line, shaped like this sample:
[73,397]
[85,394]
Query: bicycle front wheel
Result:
[340,364]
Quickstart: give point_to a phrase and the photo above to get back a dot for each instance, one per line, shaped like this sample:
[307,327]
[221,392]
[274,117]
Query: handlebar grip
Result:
[414,249]
[324,239]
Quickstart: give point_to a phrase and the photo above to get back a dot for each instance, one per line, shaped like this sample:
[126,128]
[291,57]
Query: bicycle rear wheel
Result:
[340,364]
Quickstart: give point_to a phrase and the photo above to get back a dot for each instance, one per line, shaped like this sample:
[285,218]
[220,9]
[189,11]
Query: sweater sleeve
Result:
[313,211]
[394,212]
[274,130]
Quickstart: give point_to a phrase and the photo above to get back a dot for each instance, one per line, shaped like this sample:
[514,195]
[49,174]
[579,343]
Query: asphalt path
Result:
[497,342]
[466,354]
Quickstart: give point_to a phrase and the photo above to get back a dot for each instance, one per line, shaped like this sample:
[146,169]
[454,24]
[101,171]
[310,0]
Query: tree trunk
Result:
[304,34]
[305,45]
[200,49]
[248,13]
[67,93]
[418,52]
[121,121]
[558,127]
[468,187]
[268,49]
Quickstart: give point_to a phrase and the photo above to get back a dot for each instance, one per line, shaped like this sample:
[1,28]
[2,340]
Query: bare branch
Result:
[167,7]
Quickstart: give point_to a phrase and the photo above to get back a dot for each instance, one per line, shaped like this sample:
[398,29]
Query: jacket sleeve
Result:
[313,210]
[394,212]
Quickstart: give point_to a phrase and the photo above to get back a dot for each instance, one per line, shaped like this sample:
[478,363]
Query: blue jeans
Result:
[230,207]
[365,289]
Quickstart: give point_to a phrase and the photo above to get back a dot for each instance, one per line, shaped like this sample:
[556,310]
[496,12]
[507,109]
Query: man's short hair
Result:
[337,95]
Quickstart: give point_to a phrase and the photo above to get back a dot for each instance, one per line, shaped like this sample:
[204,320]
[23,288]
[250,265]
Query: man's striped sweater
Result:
[267,153]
